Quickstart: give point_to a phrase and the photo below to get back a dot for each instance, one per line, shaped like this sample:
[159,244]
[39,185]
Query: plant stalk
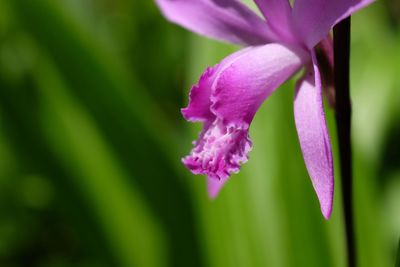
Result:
[341,34]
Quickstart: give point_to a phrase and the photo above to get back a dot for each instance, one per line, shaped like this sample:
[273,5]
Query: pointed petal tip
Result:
[325,194]
[214,186]
[212,194]
[326,211]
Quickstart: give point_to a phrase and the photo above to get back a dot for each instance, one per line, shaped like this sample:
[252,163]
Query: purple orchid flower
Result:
[228,95]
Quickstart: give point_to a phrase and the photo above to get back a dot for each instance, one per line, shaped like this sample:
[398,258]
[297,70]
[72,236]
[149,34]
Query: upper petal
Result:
[225,20]
[314,138]
[313,19]
[243,86]
[279,15]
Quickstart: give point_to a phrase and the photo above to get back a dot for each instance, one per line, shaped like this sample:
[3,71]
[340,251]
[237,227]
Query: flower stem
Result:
[343,121]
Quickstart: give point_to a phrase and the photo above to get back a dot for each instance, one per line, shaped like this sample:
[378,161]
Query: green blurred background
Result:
[91,139]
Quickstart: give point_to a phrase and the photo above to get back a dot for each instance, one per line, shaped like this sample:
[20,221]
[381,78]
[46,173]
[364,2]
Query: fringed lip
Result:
[226,99]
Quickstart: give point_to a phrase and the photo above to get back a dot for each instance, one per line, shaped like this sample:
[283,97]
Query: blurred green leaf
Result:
[398,256]
[133,232]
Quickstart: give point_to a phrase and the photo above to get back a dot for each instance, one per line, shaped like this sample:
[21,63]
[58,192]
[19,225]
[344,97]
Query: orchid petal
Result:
[225,20]
[315,18]
[243,86]
[314,138]
[215,185]
[200,94]
[236,88]
[278,14]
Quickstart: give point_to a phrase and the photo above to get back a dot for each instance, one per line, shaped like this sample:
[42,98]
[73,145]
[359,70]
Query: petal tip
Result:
[326,211]
[214,186]
[325,191]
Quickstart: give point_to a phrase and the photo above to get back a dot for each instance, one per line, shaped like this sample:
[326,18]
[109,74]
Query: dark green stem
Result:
[343,121]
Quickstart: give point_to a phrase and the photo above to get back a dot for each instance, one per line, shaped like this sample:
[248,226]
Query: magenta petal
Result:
[200,94]
[215,185]
[313,136]
[243,86]
[315,18]
[225,20]
[199,99]
[279,15]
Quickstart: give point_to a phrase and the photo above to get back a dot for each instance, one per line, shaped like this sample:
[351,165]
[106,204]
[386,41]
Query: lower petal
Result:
[313,136]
